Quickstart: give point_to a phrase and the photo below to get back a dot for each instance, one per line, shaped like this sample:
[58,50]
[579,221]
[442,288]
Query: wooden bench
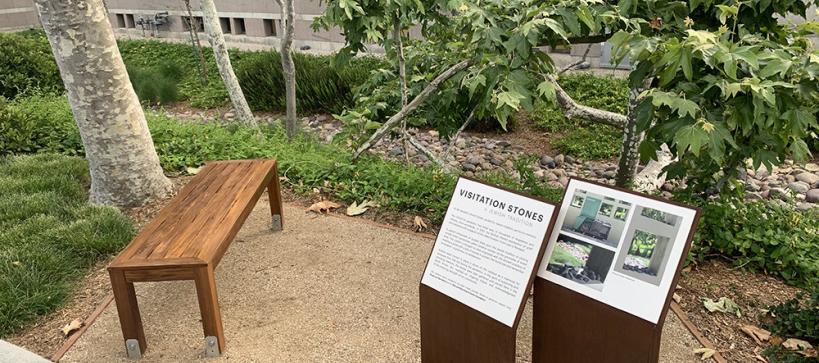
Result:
[188,239]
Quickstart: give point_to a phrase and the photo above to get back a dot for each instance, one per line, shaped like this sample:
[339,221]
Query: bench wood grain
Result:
[187,239]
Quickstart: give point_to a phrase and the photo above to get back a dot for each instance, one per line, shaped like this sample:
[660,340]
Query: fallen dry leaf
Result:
[758,356]
[758,334]
[677,297]
[17,263]
[724,305]
[706,352]
[796,344]
[323,206]
[419,224]
[193,171]
[357,209]
[71,327]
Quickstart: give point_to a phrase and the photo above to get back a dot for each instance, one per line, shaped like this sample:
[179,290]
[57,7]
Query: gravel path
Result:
[326,289]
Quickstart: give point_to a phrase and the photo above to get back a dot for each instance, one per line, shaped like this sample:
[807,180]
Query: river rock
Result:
[559,160]
[809,178]
[509,164]
[496,161]
[799,187]
[503,144]
[564,181]
[547,161]
[812,196]
[812,167]
[469,167]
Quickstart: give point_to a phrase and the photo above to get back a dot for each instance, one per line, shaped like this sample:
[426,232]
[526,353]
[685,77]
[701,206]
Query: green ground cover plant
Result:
[795,318]
[581,138]
[49,234]
[759,235]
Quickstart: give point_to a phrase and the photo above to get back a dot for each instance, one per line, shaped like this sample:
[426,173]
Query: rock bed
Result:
[788,184]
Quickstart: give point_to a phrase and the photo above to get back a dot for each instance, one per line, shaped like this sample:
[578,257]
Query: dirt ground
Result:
[326,289]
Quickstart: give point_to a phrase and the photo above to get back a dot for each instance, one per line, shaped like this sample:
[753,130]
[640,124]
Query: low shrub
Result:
[27,65]
[156,84]
[582,138]
[49,234]
[319,85]
[795,318]
[41,123]
[760,235]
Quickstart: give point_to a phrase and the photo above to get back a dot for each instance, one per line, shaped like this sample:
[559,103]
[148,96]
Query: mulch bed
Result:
[754,293]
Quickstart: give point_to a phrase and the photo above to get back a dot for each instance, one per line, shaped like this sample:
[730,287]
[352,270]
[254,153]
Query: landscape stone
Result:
[540,174]
[559,160]
[509,164]
[469,167]
[569,159]
[496,161]
[609,174]
[504,143]
[547,161]
[564,181]
[812,196]
[799,187]
[809,178]
[812,167]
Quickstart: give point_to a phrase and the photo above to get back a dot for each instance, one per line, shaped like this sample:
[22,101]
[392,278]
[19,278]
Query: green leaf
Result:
[799,150]
[776,66]
[570,20]
[509,98]
[585,15]
[546,89]
[691,136]
[685,62]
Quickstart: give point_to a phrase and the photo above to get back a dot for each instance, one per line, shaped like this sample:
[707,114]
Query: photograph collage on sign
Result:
[597,229]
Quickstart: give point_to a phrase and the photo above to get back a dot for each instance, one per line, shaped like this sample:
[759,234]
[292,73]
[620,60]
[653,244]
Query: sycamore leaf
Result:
[796,344]
[724,305]
[677,298]
[756,333]
[419,224]
[193,171]
[71,327]
[705,352]
[323,206]
[547,90]
[357,209]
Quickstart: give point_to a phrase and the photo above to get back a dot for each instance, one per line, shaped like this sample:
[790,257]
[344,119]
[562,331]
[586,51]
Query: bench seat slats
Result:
[202,217]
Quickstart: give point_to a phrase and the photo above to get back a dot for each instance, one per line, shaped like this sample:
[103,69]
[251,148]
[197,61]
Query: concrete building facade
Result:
[17,15]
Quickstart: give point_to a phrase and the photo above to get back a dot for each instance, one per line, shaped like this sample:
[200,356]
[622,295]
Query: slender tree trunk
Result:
[289,67]
[193,25]
[629,150]
[220,52]
[402,79]
[124,166]
[409,108]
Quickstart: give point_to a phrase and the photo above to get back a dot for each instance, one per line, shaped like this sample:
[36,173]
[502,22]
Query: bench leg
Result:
[274,192]
[129,318]
[209,307]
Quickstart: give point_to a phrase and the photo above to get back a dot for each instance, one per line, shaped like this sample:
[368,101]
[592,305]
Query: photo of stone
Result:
[596,218]
[580,262]
[645,252]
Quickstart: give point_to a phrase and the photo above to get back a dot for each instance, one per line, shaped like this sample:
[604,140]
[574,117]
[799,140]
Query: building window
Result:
[269,28]
[225,23]
[120,20]
[238,25]
[129,21]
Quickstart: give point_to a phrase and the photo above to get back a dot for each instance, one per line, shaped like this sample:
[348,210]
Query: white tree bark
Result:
[409,108]
[402,79]
[289,67]
[220,52]
[573,109]
[192,26]
[124,166]
[629,149]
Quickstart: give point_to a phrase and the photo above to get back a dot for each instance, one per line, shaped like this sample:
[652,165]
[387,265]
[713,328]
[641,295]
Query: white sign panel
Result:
[619,248]
[486,251]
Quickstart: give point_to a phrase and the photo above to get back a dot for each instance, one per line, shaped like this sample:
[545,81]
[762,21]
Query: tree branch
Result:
[414,104]
[429,154]
[573,109]
[575,64]
[460,130]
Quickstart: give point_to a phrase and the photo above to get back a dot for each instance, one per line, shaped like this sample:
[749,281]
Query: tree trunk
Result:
[629,150]
[409,108]
[124,166]
[289,68]
[220,52]
[197,46]
[402,79]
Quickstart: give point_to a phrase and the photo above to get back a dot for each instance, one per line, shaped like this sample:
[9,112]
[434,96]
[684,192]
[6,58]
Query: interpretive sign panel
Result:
[619,248]
[611,264]
[487,248]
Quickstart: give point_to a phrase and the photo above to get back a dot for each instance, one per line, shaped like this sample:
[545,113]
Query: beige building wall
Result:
[18,15]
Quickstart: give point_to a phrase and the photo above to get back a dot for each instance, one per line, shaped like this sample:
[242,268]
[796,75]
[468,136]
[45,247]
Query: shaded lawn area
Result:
[49,234]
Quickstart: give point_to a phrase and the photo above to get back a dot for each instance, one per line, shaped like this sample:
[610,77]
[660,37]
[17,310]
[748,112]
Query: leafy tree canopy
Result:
[728,80]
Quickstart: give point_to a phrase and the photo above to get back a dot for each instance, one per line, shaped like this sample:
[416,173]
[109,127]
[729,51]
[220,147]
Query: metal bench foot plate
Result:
[211,347]
[132,349]
[277,222]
